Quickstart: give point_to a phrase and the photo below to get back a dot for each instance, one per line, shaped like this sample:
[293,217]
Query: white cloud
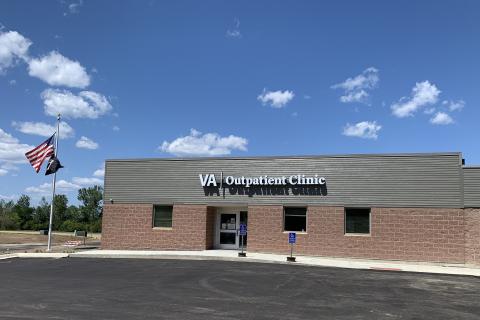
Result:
[208,144]
[441,118]
[12,152]
[355,96]
[13,46]
[44,129]
[429,110]
[87,181]
[423,94]
[75,6]
[11,166]
[234,34]
[99,173]
[235,31]
[64,186]
[364,129]
[86,143]
[454,105]
[46,188]
[12,82]
[276,99]
[87,104]
[53,68]
[8,198]
[57,70]
[116,128]
[3,172]
[355,89]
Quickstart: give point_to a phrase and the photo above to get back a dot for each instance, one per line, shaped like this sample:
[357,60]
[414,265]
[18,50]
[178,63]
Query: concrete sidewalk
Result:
[231,255]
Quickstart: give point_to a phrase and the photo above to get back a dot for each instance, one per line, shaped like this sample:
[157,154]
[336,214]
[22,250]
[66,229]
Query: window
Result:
[357,220]
[162,216]
[295,219]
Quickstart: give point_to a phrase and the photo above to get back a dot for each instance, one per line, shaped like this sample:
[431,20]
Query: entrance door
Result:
[229,223]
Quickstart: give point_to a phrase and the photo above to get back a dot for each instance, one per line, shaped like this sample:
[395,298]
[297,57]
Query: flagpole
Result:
[49,245]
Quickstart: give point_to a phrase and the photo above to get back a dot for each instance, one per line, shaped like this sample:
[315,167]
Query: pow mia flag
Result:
[53,165]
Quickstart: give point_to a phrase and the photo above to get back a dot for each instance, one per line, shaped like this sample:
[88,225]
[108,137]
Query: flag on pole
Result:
[37,155]
[53,165]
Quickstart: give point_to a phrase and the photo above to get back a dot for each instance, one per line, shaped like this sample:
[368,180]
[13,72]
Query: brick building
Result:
[418,207]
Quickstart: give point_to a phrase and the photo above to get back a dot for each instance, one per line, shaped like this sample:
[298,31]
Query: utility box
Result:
[79,233]
[44,232]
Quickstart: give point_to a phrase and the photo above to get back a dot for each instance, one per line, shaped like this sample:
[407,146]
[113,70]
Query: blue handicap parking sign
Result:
[292,237]
[243,229]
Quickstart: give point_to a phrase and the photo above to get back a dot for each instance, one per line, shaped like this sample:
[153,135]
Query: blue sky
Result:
[206,78]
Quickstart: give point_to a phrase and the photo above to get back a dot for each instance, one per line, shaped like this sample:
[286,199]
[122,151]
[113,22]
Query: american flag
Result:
[37,155]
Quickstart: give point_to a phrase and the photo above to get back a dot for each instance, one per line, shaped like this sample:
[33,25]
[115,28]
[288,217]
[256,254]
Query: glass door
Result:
[228,238]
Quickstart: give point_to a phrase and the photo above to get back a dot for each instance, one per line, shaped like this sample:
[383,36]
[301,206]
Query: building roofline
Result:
[360,155]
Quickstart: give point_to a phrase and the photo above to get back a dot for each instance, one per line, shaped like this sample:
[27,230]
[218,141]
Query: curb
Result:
[8,256]
[174,257]
[52,255]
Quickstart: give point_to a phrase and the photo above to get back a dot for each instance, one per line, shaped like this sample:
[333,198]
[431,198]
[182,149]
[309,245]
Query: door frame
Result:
[221,211]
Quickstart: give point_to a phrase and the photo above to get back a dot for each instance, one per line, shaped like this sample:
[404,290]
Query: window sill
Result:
[162,228]
[358,234]
[297,232]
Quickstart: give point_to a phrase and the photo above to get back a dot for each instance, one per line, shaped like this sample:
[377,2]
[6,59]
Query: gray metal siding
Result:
[416,180]
[471,176]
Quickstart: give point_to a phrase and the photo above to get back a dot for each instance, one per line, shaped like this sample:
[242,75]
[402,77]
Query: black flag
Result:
[53,165]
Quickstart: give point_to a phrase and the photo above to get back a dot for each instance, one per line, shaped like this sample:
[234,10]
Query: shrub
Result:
[70,226]
[9,221]
[30,225]
[95,227]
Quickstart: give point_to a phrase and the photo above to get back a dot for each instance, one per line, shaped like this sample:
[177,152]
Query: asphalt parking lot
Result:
[77,288]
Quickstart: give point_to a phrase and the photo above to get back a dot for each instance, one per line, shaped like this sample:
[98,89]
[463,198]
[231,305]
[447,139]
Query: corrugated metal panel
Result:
[394,180]
[471,178]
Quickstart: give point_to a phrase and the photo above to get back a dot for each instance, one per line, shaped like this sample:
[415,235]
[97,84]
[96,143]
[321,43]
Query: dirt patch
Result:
[21,238]
[31,241]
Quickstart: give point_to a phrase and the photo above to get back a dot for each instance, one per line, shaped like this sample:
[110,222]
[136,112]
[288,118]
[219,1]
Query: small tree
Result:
[92,199]
[23,210]
[9,220]
[41,214]
[73,214]
[60,205]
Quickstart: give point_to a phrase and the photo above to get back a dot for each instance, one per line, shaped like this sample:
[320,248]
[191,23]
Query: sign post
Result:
[242,233]
[292,239]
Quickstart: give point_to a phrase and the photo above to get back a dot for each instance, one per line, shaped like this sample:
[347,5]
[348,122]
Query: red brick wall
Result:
[129,226]
[472,236]
[210,227]
[415,234]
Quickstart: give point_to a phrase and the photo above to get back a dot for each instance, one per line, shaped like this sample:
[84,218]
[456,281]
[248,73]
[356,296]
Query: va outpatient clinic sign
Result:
[209,180]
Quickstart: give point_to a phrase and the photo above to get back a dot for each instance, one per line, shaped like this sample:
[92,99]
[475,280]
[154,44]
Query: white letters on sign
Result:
[208,180]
